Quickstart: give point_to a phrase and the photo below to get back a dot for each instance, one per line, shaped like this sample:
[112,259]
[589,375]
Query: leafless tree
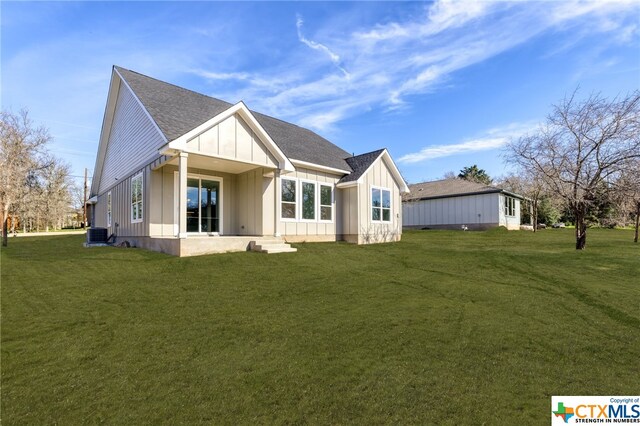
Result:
[628,193]
[528,184]
[21,154]
[55,201]
[580,149]
[450,175]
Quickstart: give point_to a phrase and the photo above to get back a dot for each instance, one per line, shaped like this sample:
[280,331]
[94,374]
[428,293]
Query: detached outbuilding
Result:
[457,203]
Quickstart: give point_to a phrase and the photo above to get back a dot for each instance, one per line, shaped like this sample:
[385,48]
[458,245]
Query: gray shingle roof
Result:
[177,110]
[359,164]
[449,188]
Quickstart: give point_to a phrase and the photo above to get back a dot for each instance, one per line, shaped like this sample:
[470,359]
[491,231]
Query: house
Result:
[187,174]
[458,203]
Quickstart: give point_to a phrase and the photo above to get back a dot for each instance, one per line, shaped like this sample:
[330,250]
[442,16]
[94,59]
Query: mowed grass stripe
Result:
[444,327]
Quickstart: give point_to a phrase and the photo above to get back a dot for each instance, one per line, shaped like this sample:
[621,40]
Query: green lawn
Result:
[442,328]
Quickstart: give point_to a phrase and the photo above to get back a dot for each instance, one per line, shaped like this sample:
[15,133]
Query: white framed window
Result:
[108,208]
[509,206]
[288,198]
[326,203]
[380,205]
[136,198]
[303,200]
[308,200]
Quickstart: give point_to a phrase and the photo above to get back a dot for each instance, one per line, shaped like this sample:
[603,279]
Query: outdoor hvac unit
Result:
[97,235]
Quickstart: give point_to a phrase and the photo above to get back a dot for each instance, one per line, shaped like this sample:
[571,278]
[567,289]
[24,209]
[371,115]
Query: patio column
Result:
[278,190]
[182,195]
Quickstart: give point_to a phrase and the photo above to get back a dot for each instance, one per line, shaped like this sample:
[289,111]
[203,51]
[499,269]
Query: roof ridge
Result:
[174,85]
[367,153]
[437,180]
[177,110]
[217,99]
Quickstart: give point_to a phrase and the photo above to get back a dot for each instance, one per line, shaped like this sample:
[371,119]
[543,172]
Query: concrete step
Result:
[279,250]
[273,247]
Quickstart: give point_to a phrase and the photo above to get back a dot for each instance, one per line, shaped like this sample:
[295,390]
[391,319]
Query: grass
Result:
[442,328]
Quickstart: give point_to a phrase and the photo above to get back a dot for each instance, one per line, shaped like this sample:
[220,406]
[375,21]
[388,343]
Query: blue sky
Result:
[442,85]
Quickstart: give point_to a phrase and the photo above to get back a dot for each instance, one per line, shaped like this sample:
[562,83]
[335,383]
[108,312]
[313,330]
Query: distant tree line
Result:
[36,189]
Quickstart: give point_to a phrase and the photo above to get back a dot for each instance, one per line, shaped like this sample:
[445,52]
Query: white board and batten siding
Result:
[232,139]
[121,207]
[510,222]
[470,210]
[357,225]
[379,176]
[309,230]
[133,140]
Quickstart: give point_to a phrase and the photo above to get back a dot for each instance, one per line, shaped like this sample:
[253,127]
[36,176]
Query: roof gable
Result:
[177,111]
[360,164]
[241,110]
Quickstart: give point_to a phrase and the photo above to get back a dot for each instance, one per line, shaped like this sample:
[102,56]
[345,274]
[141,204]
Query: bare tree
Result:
[582,147]
[530,186]
[450,175]
[628,191]
[21,154]
[55,199]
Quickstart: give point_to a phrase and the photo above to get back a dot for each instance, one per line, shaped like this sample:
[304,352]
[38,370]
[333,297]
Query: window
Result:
[136,198]
[109,208]
[308,201]
[325,202]
[509,206]
[315,202]
[288,198]
[380,205]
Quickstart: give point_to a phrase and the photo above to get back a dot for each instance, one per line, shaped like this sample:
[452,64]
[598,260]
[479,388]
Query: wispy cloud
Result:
[319,46]
[384,65]
[494,138]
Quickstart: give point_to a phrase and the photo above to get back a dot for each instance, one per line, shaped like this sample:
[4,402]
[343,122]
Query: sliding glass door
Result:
[203,205]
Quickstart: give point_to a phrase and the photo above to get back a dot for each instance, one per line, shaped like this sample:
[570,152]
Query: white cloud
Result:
[388,63]
[494,138]
[319,46]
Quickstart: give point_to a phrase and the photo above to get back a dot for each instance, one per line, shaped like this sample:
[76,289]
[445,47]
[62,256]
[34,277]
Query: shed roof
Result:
[451,188]
[177,110]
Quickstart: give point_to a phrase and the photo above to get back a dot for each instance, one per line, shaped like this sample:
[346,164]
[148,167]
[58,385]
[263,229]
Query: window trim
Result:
[509,206]
[298,203]
[295,203]
[220,181]
[315,199]
[381,220]
[140,217]
[109,209]
[320,205]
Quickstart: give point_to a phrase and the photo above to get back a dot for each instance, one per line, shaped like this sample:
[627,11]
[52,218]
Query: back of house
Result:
[185,173]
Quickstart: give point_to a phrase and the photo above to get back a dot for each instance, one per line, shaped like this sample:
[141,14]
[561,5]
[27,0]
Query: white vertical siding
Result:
[313,228]
[133,140]
[232,139]
[248,202]
[480,209]
[510,222]
[121,207]
[378,175]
